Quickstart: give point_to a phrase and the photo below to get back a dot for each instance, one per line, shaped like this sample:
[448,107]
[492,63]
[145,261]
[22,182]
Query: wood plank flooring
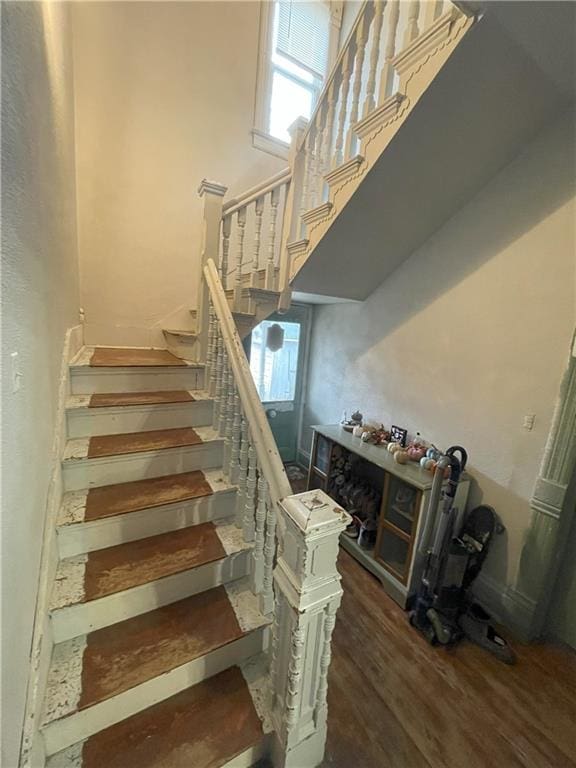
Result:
[120,356]
[121,498]
[396,702]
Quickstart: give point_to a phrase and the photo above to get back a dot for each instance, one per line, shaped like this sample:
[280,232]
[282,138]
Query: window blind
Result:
[303,34]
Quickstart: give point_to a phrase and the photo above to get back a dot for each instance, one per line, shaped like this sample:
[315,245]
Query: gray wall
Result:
[39,303]
[469,335]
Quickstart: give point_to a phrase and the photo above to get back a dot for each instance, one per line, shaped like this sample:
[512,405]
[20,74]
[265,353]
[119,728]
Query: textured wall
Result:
[470,334]
[165,97]
[39,302]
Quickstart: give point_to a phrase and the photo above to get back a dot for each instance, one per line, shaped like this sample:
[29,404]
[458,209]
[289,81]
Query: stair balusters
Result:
[258,212]
[218,386]
[387,74]
[250,493]
[412,30]
[269,551]
[347,66]
[259,533]
[270,277]
[236,438]
[241,221]
[224,268]
[242,473]
[370,103]
[361,38]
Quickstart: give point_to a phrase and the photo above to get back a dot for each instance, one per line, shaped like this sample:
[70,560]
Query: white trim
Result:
[270,144]
[32,748]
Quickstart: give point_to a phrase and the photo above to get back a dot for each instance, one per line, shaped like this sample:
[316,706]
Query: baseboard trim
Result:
[507,605]
[32,754]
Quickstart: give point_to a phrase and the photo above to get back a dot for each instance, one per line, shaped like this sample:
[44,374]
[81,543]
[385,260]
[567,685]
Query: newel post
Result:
[307,591]
[291,225]
[211,193]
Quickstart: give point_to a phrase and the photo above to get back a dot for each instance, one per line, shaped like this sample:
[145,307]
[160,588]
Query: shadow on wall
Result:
[547,186]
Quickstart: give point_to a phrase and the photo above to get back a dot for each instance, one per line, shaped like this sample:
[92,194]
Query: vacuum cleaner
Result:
[455,546]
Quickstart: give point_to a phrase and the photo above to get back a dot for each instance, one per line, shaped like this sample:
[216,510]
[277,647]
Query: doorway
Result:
[277,352]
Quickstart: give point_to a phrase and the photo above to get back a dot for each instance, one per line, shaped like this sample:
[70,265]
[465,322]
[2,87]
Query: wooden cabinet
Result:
[404,490]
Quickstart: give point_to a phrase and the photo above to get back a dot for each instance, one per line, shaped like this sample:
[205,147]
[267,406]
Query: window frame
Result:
[261,138]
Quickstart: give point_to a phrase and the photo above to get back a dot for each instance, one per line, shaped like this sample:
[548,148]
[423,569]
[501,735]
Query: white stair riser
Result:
[181,347]
[82,618]
[69,730]
[85,422]
[87,537]
[108,470]
[250,756]
[85,380]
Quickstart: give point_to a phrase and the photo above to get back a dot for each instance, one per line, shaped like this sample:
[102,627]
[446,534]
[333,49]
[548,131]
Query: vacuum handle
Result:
[463,455]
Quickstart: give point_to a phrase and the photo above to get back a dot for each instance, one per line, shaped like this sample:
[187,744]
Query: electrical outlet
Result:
[529,421]
[15,371]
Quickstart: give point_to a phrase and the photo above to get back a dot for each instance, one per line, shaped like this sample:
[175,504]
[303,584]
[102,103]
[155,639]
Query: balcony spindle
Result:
[270,266]
[370,103]
[361,38]
[347,64]
[210,370]
[387,74]
[329,129]
[306,176]
[258,213]
[226,227]
[241,220]
[412,30]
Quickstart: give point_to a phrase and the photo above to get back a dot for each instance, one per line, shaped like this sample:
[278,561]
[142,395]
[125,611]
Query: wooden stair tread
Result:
[112,399]
[119,357]
[124,566]
[135,442]
[204,726]
[126,654]
[112,500]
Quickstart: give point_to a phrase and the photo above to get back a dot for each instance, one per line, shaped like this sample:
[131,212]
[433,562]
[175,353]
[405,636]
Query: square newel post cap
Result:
[297,128]
[315,513]
[306,569]
[211,188]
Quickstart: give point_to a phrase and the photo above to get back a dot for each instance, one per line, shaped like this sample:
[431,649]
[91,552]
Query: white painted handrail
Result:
[268,457]
[256,192]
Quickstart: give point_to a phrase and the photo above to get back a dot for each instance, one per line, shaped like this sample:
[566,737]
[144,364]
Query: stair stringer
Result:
[418,65]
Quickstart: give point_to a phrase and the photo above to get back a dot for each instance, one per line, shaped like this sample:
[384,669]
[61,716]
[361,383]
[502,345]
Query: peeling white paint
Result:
[245,604]
[76,449]
[83,357]
[232,538]
[64,686]
[207,433]
[69,582]
[257,677]
[68,758]
[73,508]
[77,401]
[216,480]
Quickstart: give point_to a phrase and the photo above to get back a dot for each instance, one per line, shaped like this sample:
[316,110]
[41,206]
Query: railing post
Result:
[308,592]
[291,224]
[212,193]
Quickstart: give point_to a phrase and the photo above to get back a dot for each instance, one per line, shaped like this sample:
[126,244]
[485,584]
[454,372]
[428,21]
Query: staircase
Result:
[158,637]
[195,596]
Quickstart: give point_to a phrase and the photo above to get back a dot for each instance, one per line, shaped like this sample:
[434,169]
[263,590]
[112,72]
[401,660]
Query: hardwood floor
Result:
[396,702]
